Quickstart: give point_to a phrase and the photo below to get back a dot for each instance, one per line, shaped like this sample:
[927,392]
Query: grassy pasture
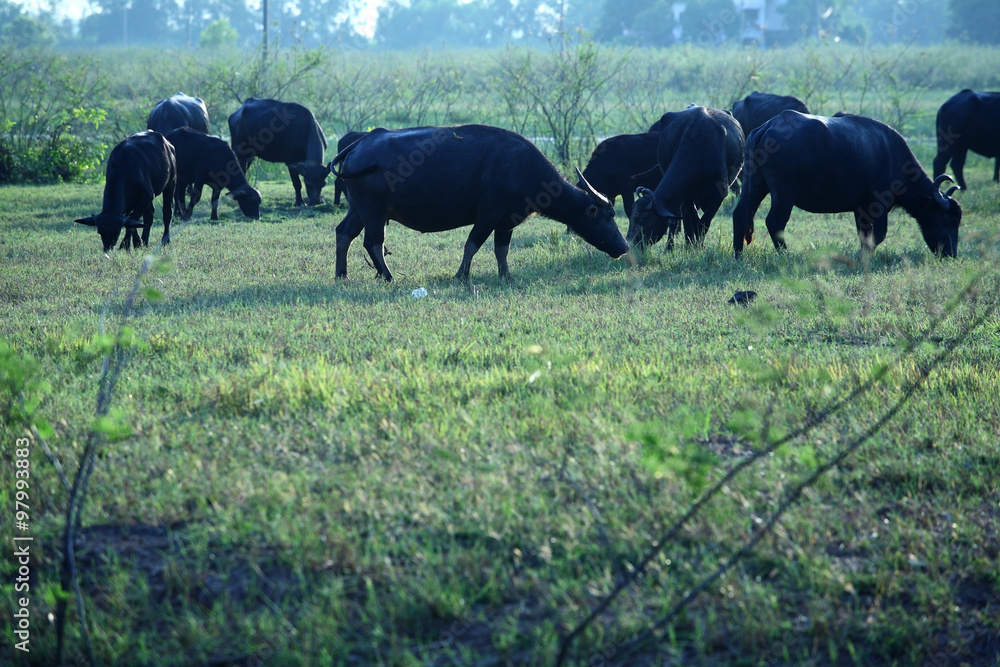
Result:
[324,472]
[333,472]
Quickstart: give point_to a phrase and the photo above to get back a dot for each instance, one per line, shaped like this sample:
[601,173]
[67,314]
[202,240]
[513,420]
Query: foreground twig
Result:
[630,577]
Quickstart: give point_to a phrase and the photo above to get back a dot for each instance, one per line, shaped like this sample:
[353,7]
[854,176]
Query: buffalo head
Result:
[650,219]
[248,199]
[109,227]
[598,227]
[940,220]
[314,176]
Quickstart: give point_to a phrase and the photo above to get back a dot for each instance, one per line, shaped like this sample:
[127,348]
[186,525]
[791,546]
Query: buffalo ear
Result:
[90,222]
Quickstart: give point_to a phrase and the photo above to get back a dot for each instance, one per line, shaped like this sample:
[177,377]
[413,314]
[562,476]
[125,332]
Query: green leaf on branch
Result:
[112,426]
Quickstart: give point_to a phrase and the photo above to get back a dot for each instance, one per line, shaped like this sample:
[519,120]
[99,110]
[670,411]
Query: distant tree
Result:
[802,17]
[8,12]
[975,20]
[218,34]
[128,22]
[709,22]
[469,24]
[25,31]
[636,22]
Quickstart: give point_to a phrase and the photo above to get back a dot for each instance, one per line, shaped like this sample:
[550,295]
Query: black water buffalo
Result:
[178,111]
[203,160]
[432,179]
[700,153]
[835,165]
[757,108]
[621,164]
[968,121]
[338,183]
[282,132]
[139,168]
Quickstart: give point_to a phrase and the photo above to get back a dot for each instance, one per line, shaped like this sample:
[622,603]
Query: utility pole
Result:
[264,5]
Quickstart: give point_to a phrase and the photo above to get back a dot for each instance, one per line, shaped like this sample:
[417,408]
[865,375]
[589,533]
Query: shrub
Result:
[49,131]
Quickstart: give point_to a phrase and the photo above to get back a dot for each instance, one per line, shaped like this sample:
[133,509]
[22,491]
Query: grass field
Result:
[333,472]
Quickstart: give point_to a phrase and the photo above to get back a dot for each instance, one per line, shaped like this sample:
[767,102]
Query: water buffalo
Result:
[178,111]
[968,121]
[203,160]
[433,179]
[623,163]
[345,141]
[282,132]
[700,153]
[835,165]
[757,108]
[139,168]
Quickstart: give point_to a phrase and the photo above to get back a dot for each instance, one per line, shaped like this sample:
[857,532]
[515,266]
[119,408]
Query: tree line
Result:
[414,24]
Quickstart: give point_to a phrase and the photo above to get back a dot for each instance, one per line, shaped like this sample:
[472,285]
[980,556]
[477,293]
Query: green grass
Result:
[353,475]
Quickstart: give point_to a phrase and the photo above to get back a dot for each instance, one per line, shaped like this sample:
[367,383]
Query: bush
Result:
[49,131]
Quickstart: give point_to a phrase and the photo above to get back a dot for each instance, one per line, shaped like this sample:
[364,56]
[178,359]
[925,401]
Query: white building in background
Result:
[751,22]
[762,23]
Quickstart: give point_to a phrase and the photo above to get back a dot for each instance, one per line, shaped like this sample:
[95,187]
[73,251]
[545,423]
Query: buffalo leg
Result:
[708,215]
[179,203]
[168,196]
[216,193]
[871,230]
[375,245]
[501,245]
[347,231]
[195,198]
[692,223]
[147,221]
[297,184]
[958,165]
[338,189]
[131,237]
[777,219]
[477,237]
[753,192]
[996,170]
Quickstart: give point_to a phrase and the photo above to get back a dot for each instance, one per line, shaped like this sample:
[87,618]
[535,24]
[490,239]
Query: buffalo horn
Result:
[660,208]
[942,197]
[590,189]
[941,179]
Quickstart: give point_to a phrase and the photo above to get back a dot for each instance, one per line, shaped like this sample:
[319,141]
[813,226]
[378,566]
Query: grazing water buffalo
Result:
[432,179]
[835,165]
[203,160]
[757,108]
[178,111]
[139,168]
[282,132]
[700,153]
[623,163]
[338,183]
[968,121]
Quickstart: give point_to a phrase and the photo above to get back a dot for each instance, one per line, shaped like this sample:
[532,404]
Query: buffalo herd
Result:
[673,176]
